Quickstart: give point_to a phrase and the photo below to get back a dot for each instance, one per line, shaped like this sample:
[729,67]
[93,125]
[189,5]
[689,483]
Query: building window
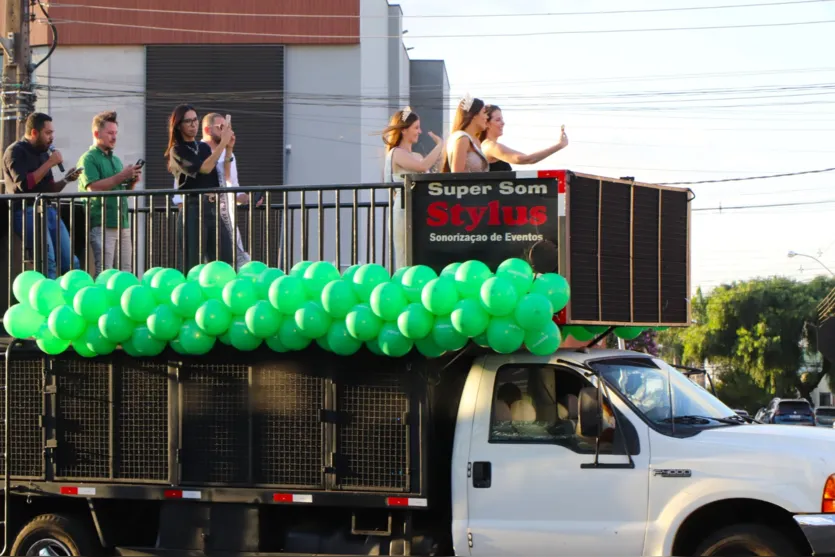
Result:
[825,399]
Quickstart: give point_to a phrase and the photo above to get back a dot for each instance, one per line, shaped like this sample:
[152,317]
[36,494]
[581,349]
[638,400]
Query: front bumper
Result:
[819,530]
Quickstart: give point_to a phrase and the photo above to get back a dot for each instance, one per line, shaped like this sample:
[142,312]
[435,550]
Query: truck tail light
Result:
[828,504]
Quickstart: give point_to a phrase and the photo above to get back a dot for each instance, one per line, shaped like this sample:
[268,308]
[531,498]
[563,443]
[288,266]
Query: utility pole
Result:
[17,96]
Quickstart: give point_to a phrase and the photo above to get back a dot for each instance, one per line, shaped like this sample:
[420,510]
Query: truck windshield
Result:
[650,383]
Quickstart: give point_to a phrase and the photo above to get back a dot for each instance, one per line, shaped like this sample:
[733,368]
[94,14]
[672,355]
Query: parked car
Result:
[825,416]
[789,411]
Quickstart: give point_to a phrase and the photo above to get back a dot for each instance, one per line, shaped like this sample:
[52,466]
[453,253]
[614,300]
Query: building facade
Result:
[309,85]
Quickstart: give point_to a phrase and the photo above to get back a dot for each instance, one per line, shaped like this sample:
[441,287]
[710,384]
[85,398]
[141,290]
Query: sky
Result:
[666,106]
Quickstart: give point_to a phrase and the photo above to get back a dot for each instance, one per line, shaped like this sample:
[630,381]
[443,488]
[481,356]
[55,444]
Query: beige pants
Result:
[110,237]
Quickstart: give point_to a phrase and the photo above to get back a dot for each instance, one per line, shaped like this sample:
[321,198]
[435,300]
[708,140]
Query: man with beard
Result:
[27,166]
[213,125]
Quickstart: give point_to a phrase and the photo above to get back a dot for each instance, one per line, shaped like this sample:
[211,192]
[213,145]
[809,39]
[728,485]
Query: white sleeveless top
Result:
[476,159]
[388,170]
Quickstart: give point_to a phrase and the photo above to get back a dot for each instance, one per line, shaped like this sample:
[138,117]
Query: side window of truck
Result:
[538,404]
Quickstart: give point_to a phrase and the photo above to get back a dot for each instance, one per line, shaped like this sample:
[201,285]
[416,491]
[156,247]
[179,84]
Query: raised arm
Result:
[409,162]
[504,153]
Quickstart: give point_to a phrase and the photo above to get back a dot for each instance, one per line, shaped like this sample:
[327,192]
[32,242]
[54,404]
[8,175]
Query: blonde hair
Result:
[463,118]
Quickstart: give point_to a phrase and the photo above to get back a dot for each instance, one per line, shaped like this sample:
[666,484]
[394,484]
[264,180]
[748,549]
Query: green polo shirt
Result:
[99,165]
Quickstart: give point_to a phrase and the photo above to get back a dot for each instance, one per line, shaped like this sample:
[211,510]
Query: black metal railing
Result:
[277,225]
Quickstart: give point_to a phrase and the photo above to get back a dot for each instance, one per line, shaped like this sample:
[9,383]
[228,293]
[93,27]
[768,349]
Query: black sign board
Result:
[490,217]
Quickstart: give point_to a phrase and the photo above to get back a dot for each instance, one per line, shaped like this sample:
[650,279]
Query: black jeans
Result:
[190,222]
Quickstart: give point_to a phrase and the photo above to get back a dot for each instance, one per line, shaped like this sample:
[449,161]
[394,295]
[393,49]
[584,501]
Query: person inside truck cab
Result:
[464,152]
[400,137]
[501,156]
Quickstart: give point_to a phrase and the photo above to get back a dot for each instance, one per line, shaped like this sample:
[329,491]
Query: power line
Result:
[769,205]
[457,36]
[437,16]
[765,177]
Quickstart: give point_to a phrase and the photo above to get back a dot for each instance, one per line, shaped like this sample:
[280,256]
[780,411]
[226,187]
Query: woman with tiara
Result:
[400,136]
[465,154]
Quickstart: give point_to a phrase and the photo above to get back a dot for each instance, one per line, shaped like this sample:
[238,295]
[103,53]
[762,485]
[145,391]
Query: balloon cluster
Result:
[416,308]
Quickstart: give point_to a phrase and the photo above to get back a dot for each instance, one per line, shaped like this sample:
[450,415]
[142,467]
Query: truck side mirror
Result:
[588,412]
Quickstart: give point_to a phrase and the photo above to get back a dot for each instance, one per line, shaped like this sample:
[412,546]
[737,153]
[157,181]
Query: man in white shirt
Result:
[213,124]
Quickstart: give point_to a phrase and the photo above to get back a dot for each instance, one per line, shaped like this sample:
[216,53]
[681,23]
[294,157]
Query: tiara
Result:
[406,113]
[466,102]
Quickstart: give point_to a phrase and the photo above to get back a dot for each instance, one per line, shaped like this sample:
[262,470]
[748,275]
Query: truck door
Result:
[528,494]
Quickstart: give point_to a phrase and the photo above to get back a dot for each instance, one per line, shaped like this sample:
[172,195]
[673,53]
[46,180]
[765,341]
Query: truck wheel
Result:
[55,534]
[747,539]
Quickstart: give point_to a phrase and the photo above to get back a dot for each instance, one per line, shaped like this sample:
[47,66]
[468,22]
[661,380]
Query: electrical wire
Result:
[764,177]
[357,37]
[437,16]
[54,44]
[767,205]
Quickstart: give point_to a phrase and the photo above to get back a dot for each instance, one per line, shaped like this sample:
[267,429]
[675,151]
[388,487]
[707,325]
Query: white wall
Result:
[374,85]
[405,81]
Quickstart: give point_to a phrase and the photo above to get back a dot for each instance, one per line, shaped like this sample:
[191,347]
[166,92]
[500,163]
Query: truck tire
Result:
[55,534]
[747,539]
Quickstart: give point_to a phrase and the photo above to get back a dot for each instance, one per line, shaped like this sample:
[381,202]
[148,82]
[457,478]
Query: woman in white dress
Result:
[400,136]
[465,154]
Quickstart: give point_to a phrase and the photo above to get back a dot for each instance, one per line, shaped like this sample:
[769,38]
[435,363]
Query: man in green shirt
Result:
[103,171]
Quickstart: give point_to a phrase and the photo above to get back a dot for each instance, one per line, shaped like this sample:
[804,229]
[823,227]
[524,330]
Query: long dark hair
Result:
[174,134]
[393,134]
[463,118]
[491,108]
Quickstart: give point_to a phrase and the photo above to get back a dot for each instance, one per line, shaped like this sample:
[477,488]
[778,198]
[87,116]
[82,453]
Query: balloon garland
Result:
[416,308]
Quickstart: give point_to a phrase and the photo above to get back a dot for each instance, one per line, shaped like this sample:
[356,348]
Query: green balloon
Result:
[192,340]
[469,318]
[291,335]
[596,329]
[533,312]
[340,341]
[186,298]
[415,322]
[440,295]
[239,295]
[49,343]
[628,333]
[429,348]
[138,302]
[299,268]
[312,319]
[46,295]
[367,278]
[265,280]
[338,297]
[504,335]
[177,346]
[194,272]
[105,276]
[115,325]
[148,275]
[348,275]
[580,333]
[362,323]
[316,276]
[241,337]
[554,287]
[544,341]
[144,343]
[387,300]
[21,321]
[397,276]
[225,339]
[392,343]
[274,343]
[660,328]
[23,284]
[450,270]
[75,280]
[95,342]
[322,342]
[65,324]
[164,323]
[263,320]
[445,335]
[252,270]
[470,276]
[414,279]
[82,349]
[213,317]
[481,340]
[374,347]
[91,302]
[117,284]
[498,296]
[214,277]
[164,282]
[287,294]
[519,272]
